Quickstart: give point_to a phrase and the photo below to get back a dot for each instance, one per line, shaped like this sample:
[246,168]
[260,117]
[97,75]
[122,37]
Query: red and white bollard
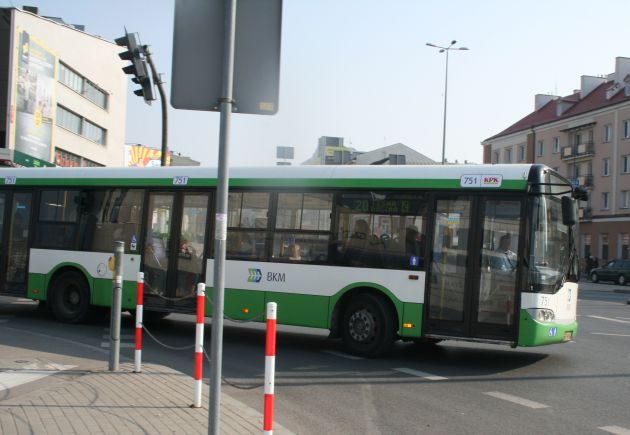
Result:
[139,307]
[270,367]
[201,302]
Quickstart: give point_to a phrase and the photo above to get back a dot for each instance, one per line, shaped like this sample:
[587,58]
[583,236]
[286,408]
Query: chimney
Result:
[541,99]
[589,83]
[622,69]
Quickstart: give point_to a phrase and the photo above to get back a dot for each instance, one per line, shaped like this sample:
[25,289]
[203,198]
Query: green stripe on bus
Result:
[268,182]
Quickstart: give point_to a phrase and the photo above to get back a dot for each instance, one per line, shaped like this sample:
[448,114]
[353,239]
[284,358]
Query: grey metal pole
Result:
[445,100]
[114,324]
[158,81]
[220,235]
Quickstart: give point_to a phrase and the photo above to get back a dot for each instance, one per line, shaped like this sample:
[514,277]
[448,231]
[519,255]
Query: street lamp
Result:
[442,50]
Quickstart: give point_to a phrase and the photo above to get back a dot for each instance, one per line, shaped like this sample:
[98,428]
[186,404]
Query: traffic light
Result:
[138,67]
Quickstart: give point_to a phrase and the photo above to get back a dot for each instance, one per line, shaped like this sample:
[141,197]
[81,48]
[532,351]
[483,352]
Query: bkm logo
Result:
[255,275]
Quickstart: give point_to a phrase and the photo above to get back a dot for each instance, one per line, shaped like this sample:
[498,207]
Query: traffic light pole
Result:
[220,235]
[157,80]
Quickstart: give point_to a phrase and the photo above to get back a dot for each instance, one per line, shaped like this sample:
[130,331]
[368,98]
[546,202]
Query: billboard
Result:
[33,101]
[138,156]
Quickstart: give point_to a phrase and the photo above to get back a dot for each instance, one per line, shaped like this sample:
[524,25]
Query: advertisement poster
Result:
[35,102]
[138,156]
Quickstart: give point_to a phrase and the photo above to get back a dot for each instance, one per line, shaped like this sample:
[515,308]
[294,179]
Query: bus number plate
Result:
[180,180]
[10,180]
[479,180]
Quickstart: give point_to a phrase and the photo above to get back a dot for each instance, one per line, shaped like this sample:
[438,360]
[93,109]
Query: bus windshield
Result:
[550,246]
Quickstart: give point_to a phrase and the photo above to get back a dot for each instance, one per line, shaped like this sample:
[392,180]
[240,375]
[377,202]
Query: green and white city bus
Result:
[373,253]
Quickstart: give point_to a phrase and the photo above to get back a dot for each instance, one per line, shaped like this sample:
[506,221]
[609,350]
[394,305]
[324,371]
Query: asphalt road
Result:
[582,387]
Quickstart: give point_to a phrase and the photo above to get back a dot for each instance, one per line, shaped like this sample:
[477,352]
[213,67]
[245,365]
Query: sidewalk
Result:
[156,401]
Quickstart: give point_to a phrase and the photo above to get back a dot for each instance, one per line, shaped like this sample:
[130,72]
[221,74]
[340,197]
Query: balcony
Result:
[585,180]
[586,149]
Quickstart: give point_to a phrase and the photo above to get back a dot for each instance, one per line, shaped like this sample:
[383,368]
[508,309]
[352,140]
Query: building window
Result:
[604,240]
[608,133]
[605,198]
[81,85]
[625,164]
[81,126]
[66,159]
[521,153]
[540,148]
[624,199]
[495,157]
[508,155]
[626,128]
[605,167]
[625,241]
[556,145]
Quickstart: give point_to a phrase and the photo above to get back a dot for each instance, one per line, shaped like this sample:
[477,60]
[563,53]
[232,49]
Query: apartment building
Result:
[63,95]
[586,137]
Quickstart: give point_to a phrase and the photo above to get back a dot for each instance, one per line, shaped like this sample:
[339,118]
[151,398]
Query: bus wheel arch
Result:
[69,295]
[367,321]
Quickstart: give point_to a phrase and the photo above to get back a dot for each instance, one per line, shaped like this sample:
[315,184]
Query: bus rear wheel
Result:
[69,297]
[368,326]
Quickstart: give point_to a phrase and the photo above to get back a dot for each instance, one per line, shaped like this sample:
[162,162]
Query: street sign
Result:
[198,55]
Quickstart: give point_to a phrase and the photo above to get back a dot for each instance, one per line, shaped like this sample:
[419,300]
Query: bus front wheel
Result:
[69,297]
[368,326]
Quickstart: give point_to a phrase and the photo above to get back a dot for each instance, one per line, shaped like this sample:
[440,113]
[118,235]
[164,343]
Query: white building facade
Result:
[586,137]
[63,94]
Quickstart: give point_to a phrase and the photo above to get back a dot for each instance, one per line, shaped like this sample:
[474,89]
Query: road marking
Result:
[343,355]
[608,318]
[616,430]
[516,399]
[11,378]
[420,374]
[614,335]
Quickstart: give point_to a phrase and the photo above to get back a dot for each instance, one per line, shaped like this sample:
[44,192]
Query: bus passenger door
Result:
[15,256]
[472,274]
[495,287]
[191,244]
[157,243]
[174,247]
[448,272]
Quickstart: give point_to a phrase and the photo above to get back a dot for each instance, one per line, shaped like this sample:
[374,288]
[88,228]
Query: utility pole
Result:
[157,80]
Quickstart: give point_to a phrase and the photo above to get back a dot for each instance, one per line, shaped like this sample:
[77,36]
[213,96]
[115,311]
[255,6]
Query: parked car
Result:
[615,270]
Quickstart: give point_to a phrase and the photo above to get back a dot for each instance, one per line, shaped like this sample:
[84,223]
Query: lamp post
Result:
[445,50]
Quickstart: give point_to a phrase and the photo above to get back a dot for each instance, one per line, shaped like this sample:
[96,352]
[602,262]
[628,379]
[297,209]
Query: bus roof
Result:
[502,177]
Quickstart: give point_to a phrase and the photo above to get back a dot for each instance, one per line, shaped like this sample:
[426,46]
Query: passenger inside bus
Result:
[505,259]
[414,247]
[362,248]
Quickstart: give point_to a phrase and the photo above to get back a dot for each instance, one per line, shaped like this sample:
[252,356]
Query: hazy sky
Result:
[360,69]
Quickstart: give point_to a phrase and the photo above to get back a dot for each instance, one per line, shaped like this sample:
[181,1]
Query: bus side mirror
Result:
[569,214]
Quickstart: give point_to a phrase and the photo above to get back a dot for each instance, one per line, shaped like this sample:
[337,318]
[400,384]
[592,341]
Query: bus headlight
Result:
[542,314]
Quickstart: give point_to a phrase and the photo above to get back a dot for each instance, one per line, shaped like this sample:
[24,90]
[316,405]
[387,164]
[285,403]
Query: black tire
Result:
[621,280]
[368,326]
[69,297]
[594,277]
